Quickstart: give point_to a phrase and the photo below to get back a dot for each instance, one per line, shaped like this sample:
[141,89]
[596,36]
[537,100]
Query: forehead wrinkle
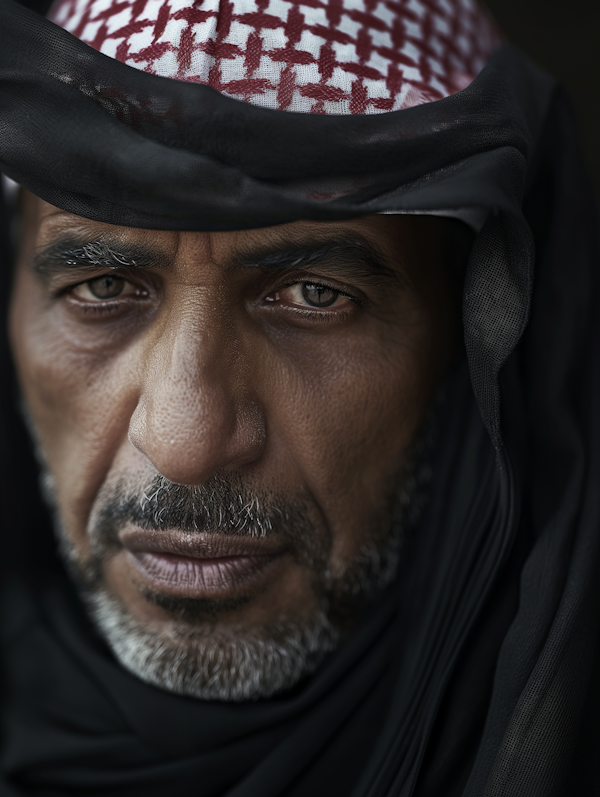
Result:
[196,251]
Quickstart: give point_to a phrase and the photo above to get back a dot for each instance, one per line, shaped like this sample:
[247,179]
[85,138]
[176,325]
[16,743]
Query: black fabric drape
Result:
[471,676]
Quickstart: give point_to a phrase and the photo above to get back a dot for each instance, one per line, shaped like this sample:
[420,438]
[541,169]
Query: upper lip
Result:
[198,545]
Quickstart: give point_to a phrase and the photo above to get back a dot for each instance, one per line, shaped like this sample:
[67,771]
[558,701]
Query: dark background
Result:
[564,38]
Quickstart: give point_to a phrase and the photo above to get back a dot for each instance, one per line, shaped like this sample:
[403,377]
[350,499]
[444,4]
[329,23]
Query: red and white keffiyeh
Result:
[310,56]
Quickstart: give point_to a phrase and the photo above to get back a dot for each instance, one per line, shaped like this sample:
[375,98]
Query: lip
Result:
[199,565]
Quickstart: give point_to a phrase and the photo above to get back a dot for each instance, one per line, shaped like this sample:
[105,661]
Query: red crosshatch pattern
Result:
[311,56]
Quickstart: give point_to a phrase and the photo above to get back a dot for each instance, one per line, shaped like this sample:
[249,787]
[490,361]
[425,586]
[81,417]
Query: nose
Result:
[194,415]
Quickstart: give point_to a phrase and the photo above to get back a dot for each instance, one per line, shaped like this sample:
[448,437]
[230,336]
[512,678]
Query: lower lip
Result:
[200,578]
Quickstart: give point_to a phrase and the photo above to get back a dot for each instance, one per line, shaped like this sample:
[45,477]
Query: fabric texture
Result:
[471,676]
[352,56]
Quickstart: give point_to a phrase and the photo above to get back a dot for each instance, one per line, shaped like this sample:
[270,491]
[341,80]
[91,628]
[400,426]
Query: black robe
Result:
[474,674]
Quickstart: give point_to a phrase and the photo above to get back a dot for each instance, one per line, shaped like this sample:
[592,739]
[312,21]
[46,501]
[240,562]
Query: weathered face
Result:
[226,418]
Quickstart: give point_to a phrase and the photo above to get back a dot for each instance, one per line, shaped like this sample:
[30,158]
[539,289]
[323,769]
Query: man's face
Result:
[227,420]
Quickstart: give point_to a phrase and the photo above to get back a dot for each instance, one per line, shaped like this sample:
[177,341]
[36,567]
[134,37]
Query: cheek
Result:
[80,401]
[349,406]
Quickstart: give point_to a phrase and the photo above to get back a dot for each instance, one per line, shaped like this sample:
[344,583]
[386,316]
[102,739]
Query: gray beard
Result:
[189,654]
[211,665]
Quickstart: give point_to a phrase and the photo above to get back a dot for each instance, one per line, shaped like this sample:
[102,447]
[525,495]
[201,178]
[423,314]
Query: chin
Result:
[210,661]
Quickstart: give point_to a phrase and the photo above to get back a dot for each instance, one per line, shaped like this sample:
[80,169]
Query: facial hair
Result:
[192,654]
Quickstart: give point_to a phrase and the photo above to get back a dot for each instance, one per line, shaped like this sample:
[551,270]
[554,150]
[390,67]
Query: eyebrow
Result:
[66,253]
[344,256]
[353,256]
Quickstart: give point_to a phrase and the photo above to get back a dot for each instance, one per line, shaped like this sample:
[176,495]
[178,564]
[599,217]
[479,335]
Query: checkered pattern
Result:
[311,56]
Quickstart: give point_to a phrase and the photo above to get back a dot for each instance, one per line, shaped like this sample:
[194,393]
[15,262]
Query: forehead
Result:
[386,235]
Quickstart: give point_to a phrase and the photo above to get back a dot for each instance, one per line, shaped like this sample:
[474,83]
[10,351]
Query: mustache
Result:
[219,506]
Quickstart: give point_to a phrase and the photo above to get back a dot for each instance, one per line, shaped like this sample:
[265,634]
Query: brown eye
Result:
[318,295]
[106,287]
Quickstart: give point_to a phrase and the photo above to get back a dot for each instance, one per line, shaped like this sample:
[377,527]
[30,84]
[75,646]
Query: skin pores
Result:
[294,364]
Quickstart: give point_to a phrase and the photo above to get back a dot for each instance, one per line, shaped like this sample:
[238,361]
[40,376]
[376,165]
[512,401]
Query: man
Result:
[329,531]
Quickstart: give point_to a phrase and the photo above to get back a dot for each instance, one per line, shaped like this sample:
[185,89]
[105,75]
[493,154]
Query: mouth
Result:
[199,565]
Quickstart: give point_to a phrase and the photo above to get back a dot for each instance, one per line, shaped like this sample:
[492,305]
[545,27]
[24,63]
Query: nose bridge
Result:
[196,414]
[194,378]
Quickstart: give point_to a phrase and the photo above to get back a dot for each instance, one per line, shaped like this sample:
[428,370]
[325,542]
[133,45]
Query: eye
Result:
[318,295]
[104,288]
[311,294]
